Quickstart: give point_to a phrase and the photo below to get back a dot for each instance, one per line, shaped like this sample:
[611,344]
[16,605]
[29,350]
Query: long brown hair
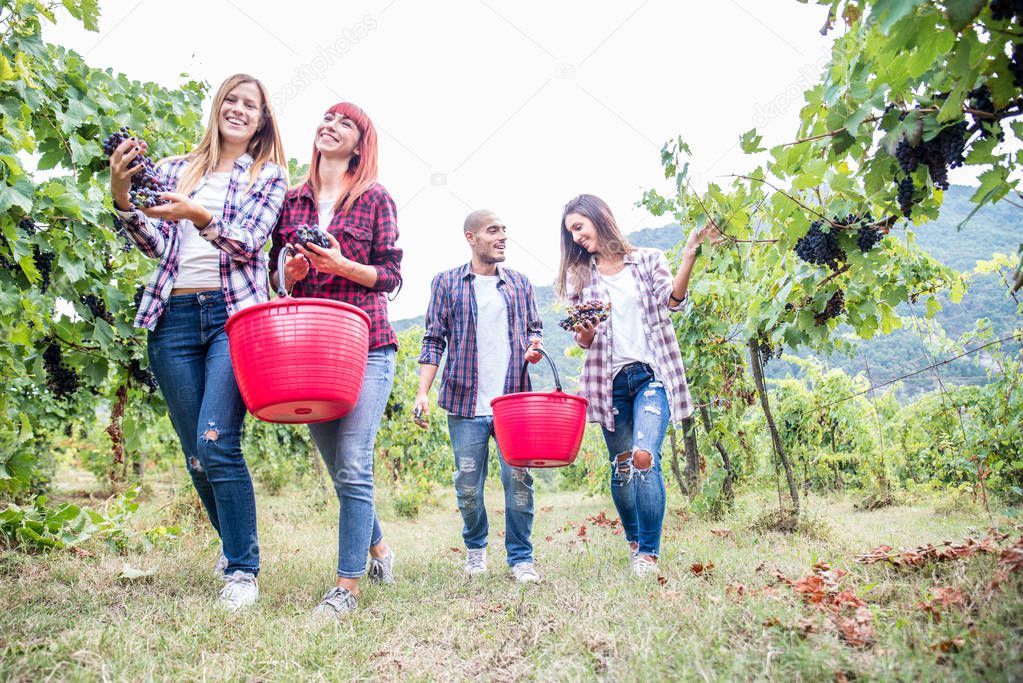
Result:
[575,261]
[264,147]
[362,168]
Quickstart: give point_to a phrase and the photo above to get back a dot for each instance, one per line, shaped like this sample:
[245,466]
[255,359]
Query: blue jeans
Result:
[189,354]
[470,441]
[346,445]
[641,421]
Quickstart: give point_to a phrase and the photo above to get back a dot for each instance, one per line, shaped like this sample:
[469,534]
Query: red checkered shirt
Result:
[367,234]
[653,277]
[240,233]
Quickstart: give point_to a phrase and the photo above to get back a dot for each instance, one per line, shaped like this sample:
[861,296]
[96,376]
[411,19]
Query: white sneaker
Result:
[221,566]
[336,603]
[476,561]
[240,591]
[633,553]
[525,573]
[644,566]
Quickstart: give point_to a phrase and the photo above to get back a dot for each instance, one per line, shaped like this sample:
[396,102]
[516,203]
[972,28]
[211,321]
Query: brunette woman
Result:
[633,375]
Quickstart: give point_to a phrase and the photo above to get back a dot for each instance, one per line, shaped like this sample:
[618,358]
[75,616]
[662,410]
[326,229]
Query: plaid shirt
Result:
[367,235]
[653,277]
[239,233]
[451,319]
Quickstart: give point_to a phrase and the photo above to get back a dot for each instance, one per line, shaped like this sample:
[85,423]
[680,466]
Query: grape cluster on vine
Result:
[146,185]
[867,234]
[587,311]
[835,305]
[1006,10]
[138,295]
[979,100]
[312,235]
[44,264]
[1016,64]
[28,225]
[939,154]
[61,380]
[767,350]
[819,246]
[97,308]
[144,376]
[907,190]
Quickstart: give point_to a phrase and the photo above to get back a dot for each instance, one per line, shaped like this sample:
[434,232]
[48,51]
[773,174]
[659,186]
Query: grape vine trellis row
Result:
[912,90]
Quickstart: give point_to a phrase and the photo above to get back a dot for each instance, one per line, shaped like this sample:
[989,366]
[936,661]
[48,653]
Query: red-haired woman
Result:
[209,238]
[342,197]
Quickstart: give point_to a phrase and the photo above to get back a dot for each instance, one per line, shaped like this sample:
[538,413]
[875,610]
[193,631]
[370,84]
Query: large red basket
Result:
[539,429]
[299,359]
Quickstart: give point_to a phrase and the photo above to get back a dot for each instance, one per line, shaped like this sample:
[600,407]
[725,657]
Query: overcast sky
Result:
[513,107]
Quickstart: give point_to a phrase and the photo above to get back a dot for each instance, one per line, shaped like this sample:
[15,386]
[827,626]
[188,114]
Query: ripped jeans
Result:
[470,440]
[641,421]
[189,354]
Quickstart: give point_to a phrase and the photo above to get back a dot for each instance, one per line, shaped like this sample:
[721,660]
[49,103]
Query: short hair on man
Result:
[478,219]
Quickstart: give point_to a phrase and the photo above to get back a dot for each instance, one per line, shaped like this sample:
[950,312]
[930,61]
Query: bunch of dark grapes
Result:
[28,225]
[1006,10]
[1016,65]
[44,264]
[819,247]
[139,291]
[126,244]
[939,154]
[980,101]
[767,350]
[144,376]
[312,235]
[867,234]
[145,185]
[835,305]
[61,380]
[906,191]
[97,308]
[588,310]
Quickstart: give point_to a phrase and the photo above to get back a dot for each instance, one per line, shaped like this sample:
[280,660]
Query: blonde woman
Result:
[209,238]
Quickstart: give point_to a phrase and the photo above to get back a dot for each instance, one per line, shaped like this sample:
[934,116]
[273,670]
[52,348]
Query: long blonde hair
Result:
[575,261]
[264,147]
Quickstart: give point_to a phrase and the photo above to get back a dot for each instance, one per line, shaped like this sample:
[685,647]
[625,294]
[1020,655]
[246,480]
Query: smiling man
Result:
[485,315]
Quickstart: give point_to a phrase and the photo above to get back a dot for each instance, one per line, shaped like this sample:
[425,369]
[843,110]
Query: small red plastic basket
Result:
[299,359]
[539,429]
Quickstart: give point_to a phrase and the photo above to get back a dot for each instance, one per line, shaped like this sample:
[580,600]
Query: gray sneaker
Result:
[336,603]
[476,561]
[240,591]
[221,566]
[381,569]
[525,573]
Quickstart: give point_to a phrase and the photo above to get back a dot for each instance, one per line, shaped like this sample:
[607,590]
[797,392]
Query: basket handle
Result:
[525,370]
[281,290]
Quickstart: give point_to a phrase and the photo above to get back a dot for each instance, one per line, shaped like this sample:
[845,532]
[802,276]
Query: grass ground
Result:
[66,616]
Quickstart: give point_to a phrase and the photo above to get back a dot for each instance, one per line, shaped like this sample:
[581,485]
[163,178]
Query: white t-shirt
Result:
[198,260]
[326,213]
[628,338]
[492,350]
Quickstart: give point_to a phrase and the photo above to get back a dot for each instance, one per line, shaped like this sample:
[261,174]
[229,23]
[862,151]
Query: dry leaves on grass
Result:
[848,613]
[723,533]
[1009,561]
[920,555]
[944,597]
[602,520]
[701,568]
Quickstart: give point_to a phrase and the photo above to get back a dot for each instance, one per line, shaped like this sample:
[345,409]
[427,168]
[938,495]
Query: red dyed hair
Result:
[362,169]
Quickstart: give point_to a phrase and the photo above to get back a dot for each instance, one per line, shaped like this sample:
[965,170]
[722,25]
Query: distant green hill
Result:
[993,229]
